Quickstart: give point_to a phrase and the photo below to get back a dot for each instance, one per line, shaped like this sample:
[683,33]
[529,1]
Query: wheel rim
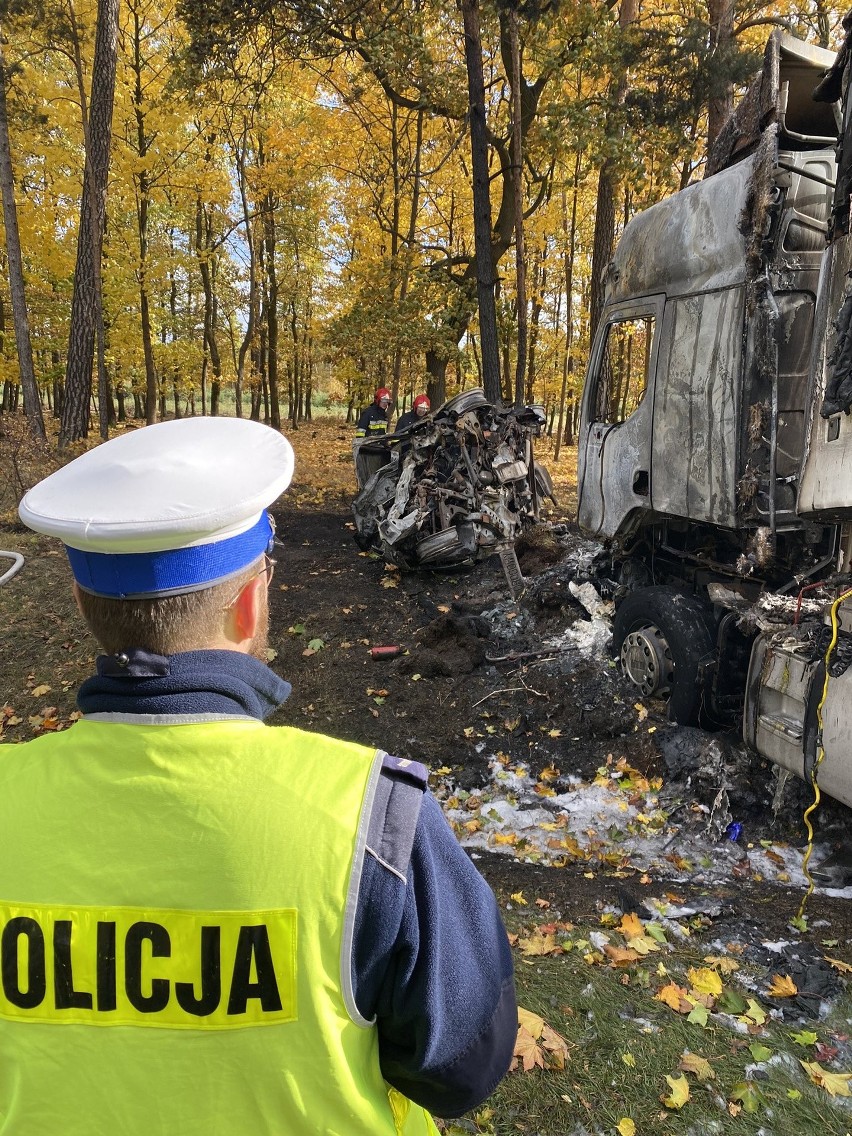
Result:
[647,661]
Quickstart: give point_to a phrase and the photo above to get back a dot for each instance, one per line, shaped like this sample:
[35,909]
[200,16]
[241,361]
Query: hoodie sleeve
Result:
[431,959]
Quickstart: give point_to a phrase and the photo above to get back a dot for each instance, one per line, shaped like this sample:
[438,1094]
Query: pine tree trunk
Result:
[604,237]
[74,421]
[517,182]
[485,274]
[721,104]
[272,312]
[23,344]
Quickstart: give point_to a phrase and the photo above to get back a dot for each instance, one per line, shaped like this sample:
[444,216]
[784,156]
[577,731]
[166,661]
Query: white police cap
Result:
[165,509]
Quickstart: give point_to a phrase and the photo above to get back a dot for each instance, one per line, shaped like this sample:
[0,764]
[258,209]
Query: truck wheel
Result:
[661,636]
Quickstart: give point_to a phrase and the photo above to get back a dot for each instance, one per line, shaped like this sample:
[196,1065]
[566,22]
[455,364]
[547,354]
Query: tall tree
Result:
[518,194]
[74,423]
[485,268]
[607,183]
[23,343]
[721,102]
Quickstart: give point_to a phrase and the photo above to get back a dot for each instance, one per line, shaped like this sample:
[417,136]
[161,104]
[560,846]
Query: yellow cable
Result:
[820,755]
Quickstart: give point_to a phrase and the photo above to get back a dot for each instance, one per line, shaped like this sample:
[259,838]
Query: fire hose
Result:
[17,565]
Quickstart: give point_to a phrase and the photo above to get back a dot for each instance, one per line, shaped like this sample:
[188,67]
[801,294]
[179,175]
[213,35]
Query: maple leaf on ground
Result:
[754,1012]
[722,963]
[839,965]
[626,1127]
[835,1084]
[700,1066]
[556,1046]
[528,1050]
[749,1096]
[631,926]
[674,996]
[620,956]
[705,981]
[538,944]
[782,987]
[679,1092]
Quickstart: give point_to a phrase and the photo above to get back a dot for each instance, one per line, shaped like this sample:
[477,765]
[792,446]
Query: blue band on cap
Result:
[131,575]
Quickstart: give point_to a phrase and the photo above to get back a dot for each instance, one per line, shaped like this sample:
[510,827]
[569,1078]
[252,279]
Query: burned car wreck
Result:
[454,487]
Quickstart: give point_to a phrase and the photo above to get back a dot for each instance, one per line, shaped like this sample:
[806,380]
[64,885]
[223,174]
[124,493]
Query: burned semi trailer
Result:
[715,448]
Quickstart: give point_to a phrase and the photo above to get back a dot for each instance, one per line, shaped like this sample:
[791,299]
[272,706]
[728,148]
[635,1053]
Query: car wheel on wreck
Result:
[663,637]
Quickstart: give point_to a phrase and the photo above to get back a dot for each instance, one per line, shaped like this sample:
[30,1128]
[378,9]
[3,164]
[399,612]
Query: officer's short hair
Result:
[165,625]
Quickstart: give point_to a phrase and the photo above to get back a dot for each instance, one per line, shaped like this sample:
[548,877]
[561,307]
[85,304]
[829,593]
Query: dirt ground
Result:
[443,702]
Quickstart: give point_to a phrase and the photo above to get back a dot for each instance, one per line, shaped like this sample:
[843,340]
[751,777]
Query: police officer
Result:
[417,412]
[208,925]
[374,419]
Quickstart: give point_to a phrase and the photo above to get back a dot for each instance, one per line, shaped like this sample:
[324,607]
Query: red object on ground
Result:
[385,652]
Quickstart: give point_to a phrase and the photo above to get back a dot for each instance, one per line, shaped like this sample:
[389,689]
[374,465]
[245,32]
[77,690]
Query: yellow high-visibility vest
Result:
[176,912]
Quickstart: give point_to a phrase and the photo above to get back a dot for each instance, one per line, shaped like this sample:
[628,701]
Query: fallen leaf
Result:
[705,981]
[722,963]
[38,691]
[700,1066]
[843,967]
[698,1016]
[823,1052]
[782,987]
[673,995]
[679,1092]
[529,1051]
[759,1052]
[626,1127]
[537,945]
[804,1037]
[556,1046]
[631,926]
[620,956]
[518,897]
[732,1002]
[835,1084]
[748,1094]
[755,1012]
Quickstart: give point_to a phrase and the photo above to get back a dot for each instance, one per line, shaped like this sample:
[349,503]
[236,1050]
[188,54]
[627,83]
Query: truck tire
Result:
[662,636]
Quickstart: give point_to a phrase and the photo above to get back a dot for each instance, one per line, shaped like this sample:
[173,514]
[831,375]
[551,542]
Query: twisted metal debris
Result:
[452,488]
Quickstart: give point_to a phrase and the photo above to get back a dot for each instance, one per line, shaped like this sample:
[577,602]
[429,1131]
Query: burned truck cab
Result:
[693,419]
[693,407]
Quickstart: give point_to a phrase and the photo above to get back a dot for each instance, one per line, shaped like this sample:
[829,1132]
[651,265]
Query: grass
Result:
[624,1043]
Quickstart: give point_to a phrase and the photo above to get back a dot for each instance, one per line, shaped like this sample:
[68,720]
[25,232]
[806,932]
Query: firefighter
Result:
[207,924]
[374,420]
[419,410]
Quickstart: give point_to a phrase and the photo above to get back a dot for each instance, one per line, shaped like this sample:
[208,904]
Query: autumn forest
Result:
[269,207]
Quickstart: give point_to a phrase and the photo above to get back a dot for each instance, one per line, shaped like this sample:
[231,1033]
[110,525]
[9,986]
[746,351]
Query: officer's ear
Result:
[244,616]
